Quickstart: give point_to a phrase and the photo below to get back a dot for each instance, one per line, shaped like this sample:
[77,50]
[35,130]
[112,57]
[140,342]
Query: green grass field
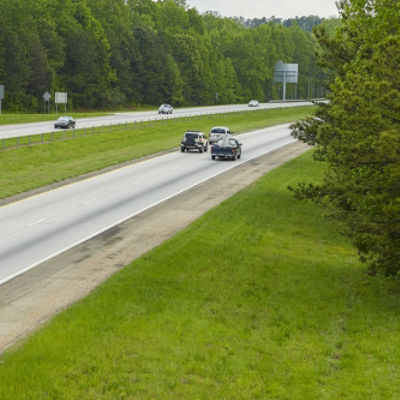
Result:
[260,298]
[29,167]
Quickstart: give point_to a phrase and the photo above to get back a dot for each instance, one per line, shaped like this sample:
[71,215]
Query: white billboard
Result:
[60,97]
[286,72]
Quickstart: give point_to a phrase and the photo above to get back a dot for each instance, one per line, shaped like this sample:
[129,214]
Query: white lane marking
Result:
[88,202]
[175,168]
[37,222]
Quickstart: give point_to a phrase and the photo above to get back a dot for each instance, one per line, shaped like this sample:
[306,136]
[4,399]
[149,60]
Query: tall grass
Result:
[261,298]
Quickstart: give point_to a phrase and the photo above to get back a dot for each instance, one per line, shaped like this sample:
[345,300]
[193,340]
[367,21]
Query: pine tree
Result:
[358,133]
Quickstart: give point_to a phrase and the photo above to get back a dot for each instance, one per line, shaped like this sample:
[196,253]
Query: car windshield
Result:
[218,130]
[232,142]
[193,135]
[63,118]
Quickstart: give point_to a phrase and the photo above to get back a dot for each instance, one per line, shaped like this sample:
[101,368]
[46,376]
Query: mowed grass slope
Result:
[31,167]
[258,299]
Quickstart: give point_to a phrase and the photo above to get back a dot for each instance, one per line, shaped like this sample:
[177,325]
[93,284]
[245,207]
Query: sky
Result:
[267,8]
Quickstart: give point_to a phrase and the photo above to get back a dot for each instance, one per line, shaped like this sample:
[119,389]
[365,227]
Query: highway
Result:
[40,227]
[19,130]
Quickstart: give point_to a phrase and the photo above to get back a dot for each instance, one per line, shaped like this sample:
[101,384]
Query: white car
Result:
[165,109]
[218,132]
[253,103]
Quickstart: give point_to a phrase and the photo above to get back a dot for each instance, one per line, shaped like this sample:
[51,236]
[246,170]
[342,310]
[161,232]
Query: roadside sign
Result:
[46,96]
[60,98]
[1,95]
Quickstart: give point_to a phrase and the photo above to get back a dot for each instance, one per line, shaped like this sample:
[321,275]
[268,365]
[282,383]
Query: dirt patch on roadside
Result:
[29,300]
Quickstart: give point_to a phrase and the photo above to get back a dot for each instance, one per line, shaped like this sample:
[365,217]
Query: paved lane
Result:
[39,227]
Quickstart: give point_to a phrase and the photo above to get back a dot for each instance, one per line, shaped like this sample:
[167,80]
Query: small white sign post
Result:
[60,98]
[1,95]
[46,97]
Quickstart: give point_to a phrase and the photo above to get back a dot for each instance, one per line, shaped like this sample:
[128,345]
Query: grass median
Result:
[30,167]
[260,298]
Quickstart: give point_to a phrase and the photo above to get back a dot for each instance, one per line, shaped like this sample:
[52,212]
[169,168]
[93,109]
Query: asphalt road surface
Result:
[19,130]
[39,227]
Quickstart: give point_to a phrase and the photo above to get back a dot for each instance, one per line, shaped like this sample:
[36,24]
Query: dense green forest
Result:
[113,53]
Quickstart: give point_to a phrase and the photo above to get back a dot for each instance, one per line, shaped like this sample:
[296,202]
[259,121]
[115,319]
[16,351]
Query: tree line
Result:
[305,22]
[112,53]
[357,134]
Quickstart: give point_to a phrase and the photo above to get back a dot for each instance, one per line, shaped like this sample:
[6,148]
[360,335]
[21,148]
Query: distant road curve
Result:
[18,130]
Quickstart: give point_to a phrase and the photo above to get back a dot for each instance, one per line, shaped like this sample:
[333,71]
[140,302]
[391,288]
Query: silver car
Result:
[165,109]
[253,103]
[218,132]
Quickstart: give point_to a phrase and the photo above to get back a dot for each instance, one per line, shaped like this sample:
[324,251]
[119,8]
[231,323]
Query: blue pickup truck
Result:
[226,148]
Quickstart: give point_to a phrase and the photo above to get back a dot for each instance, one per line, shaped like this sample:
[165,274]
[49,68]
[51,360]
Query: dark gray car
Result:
[65,122]
[226,148]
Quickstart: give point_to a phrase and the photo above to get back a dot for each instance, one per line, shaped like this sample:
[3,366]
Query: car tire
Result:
[200,149]
[213,157]
[206,148]
[182,149]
